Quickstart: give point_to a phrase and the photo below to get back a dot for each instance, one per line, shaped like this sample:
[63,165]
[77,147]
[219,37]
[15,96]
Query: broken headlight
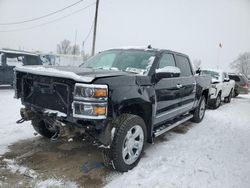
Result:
[90,110]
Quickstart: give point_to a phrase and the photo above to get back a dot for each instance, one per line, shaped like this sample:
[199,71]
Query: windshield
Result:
[213,74]
[135,61]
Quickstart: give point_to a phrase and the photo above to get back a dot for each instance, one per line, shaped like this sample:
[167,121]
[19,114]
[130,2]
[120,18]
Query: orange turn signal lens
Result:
[101,93]
[100,110]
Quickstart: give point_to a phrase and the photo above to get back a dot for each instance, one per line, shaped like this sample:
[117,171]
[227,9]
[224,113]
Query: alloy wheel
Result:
[133,144]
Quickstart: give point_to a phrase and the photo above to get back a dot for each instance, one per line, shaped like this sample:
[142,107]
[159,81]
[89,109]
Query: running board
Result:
[167,127]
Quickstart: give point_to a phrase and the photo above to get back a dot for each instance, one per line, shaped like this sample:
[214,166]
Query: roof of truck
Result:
[146,48]
[18,52]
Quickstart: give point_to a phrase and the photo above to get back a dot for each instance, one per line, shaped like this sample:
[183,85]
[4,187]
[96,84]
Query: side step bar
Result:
[167,127]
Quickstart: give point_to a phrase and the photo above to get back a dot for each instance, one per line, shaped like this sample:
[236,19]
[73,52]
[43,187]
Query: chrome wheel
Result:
[133,144]
[202,109]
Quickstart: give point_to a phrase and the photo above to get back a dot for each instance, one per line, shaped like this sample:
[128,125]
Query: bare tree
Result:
[64,47]
[75,50]
[86,57]
[242,63]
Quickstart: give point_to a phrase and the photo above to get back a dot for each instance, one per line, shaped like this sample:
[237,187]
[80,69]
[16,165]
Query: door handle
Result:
[179,86]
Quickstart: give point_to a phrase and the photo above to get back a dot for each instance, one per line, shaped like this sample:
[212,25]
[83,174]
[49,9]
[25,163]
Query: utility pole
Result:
[95,27]
[74,47]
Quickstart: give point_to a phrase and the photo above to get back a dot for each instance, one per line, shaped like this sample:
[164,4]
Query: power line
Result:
[88,35]
[91,28]
[58,19]
[41,17]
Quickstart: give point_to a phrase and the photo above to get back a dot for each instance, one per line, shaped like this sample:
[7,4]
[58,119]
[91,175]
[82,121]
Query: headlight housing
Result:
[90,91]
[90,101]
[89,110]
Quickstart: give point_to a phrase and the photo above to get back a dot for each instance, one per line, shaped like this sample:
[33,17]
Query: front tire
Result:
[216,103]
[128,143]
[43,128]
[199,111]
[228,98]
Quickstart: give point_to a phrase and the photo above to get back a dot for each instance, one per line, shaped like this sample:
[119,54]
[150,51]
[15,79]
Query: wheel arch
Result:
[143,110]
[205,93]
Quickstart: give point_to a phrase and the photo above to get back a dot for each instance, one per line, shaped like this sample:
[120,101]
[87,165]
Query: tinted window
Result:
[32,60]
[167,60]
[184,65]
[234,77]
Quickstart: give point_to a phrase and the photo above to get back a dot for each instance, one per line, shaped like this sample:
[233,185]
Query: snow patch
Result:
[55,183]
[213,153]
[11,132]
[59,114]
[47,71]
[169,69]
[15,168]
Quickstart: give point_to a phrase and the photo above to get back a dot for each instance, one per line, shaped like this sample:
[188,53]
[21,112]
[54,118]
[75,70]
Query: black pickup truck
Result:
[120,98]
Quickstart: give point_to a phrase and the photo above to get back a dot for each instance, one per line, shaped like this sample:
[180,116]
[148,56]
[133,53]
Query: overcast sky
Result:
[194,27]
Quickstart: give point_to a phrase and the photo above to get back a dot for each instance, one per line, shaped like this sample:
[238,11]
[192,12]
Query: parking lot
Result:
[214,153]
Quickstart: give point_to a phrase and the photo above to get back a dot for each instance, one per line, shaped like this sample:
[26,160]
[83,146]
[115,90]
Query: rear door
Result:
[168,94]
[188,82]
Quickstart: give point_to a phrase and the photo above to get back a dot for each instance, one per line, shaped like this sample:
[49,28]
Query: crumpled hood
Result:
[76,73]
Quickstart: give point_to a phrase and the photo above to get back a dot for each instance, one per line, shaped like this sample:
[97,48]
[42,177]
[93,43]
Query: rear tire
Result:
[199,111]
[128,143]
[236,93]
[42,128]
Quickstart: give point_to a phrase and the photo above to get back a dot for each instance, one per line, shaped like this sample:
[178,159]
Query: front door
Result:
[168,93]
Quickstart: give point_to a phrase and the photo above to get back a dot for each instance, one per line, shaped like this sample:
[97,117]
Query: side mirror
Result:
[198,71]
[167,72]
[226,79]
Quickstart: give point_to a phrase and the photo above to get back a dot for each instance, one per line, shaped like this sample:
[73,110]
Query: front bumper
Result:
[69,127]
[213,93]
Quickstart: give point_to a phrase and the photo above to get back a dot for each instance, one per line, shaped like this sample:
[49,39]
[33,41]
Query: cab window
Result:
[166,60]
[184,65]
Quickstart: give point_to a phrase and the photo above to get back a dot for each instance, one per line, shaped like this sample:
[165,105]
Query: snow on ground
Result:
[214,153]
[55,184]
[15,168]
[11,132]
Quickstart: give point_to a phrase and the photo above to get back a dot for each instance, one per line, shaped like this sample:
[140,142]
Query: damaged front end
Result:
[56,125]
[66,109]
